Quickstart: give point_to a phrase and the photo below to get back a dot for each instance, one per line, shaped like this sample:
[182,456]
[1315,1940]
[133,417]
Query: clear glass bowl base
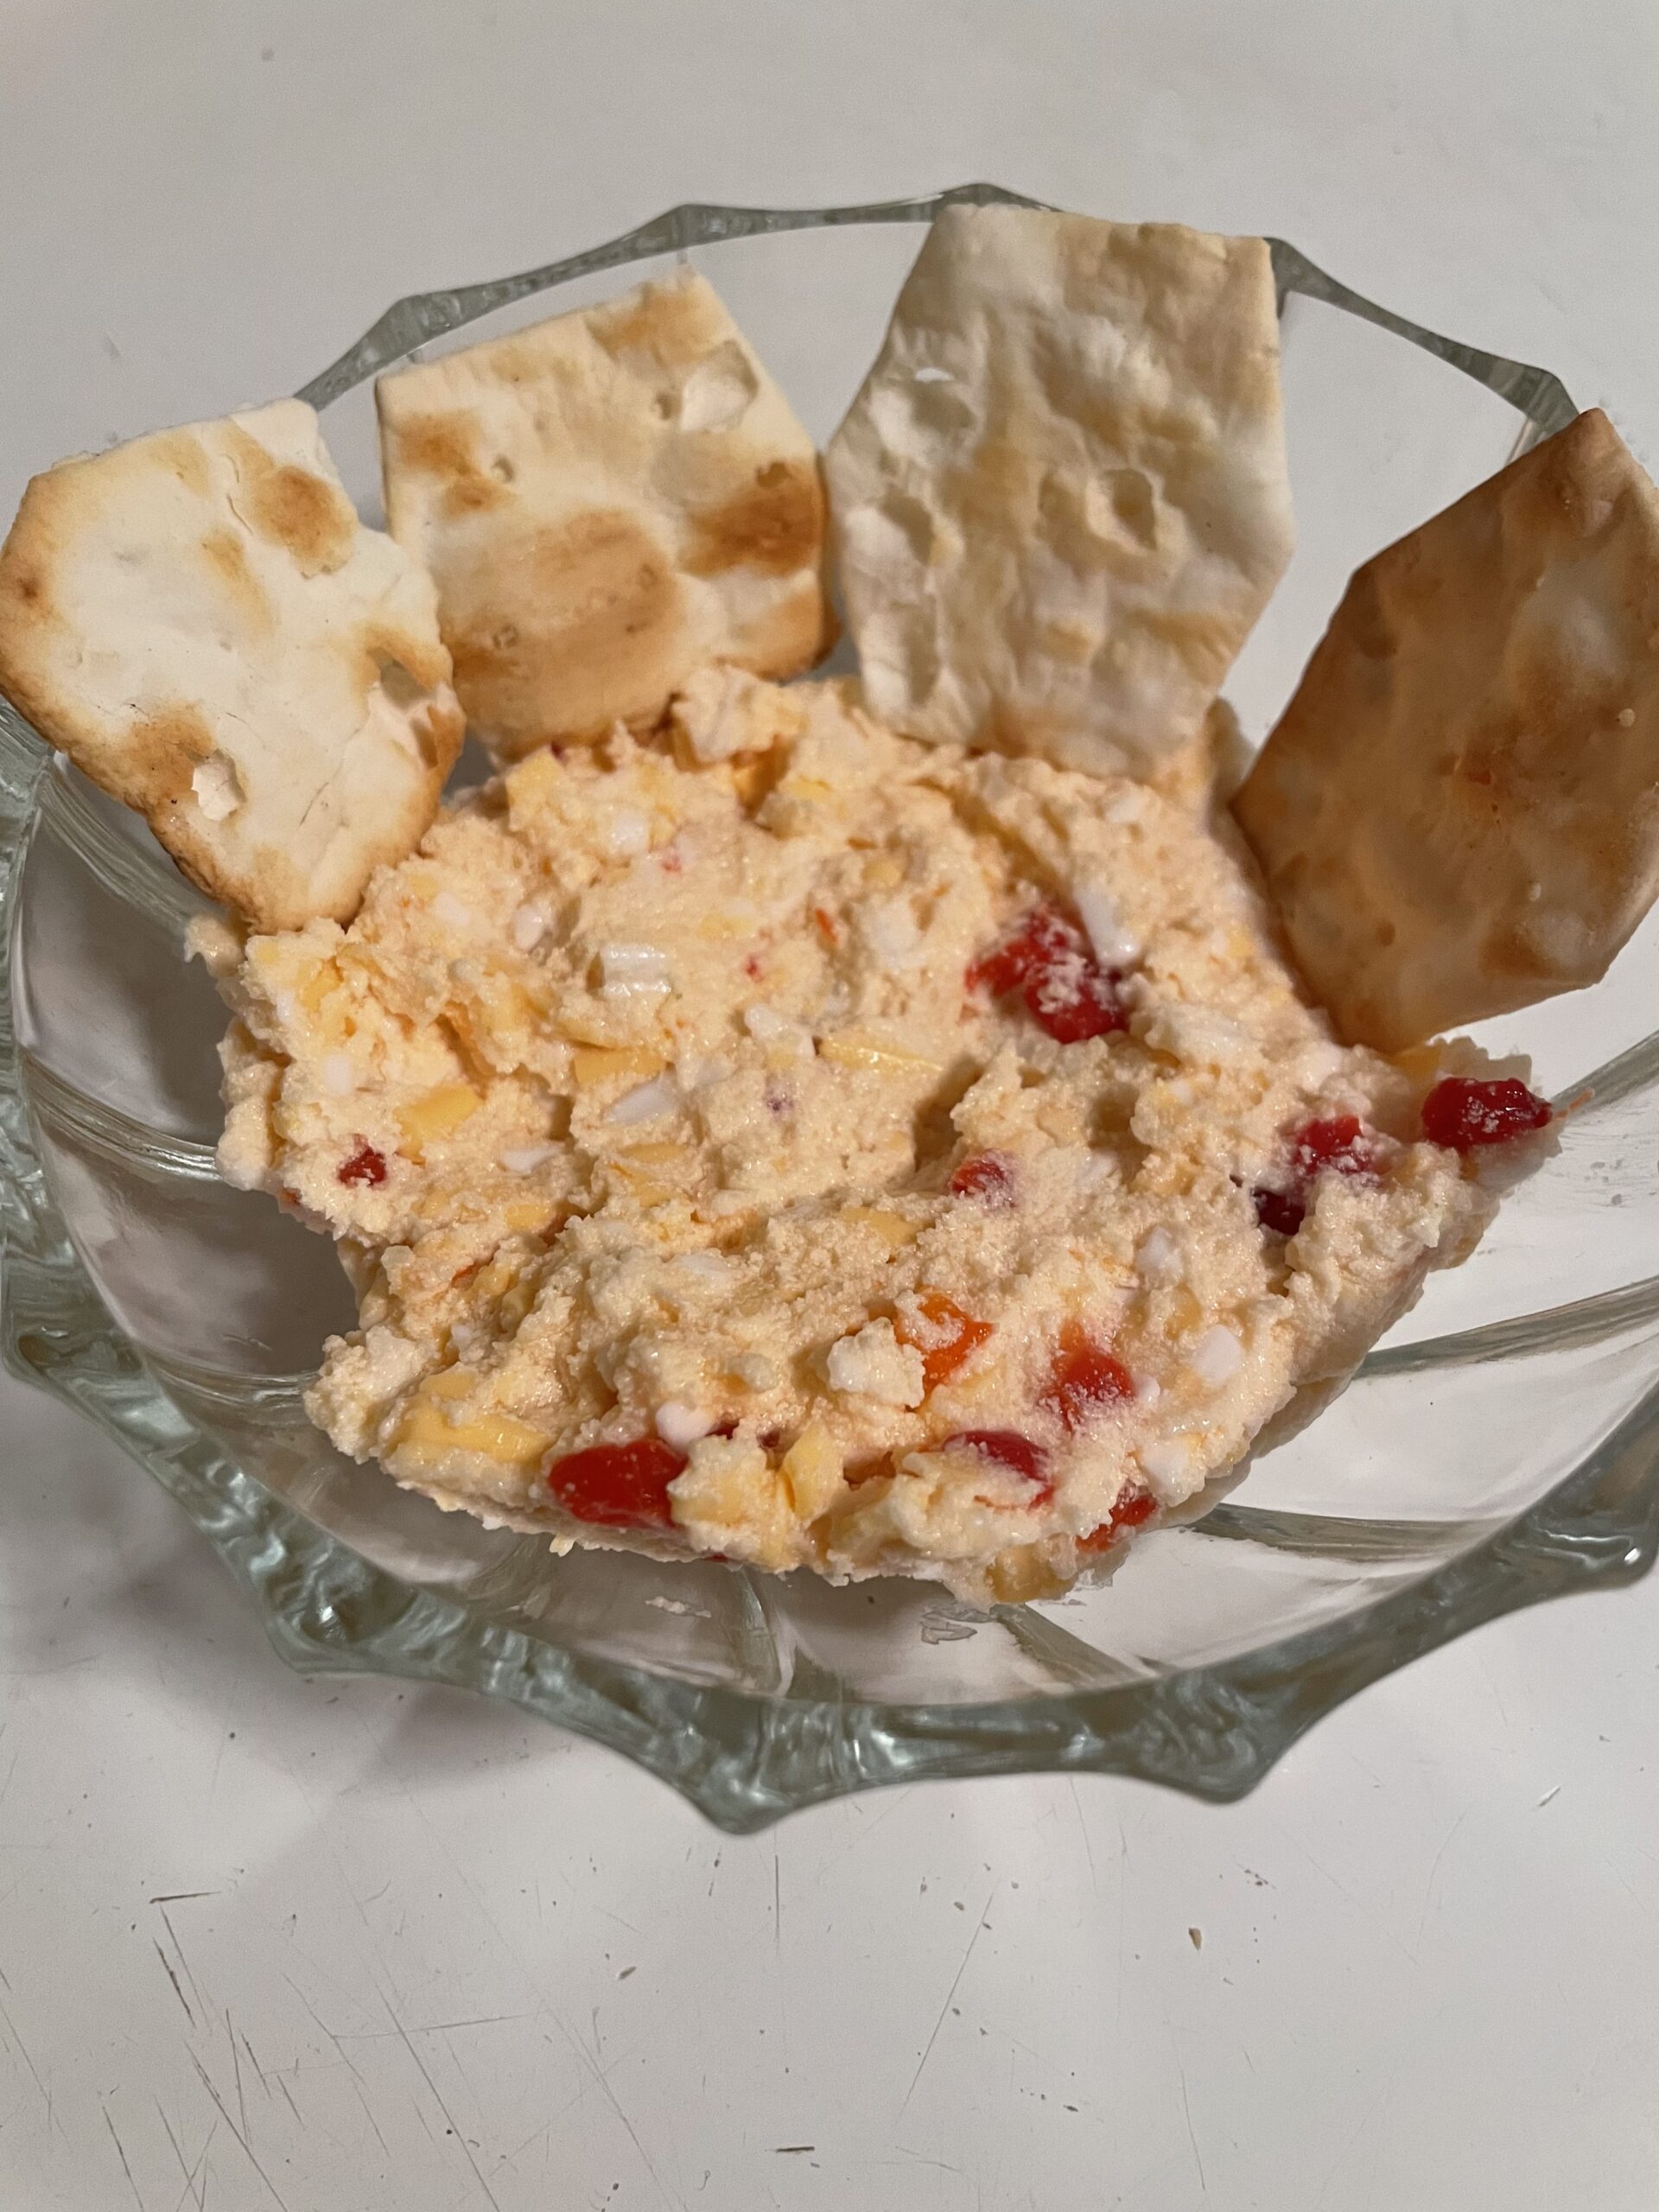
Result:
[1503,1447]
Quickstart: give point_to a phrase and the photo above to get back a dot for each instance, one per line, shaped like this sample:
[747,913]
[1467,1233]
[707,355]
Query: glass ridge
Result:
[745,1757]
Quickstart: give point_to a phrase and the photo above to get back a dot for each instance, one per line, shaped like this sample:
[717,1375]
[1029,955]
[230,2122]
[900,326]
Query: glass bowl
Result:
[1501,1447]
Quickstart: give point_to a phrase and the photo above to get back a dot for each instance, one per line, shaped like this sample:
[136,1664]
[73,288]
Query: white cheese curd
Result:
[528,927]
[679,1424]
[646,1101]
[1166,1462]
[1215,1357]
[629,970]
[525,1159]
[627,832]
[1113,944]
[1158,1256]
[874,1364]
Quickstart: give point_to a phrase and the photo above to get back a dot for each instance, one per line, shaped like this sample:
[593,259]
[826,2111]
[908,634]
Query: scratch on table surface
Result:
[923,2159]
[927,2053]
[120,2152]
[1433,1872]
[321,2024]
[254,2063]
[1346,2152]
[611,2098]
[777,1899]
[510,1948]
[1287,1838]
[24,2054]
[212,1782]
[437,2097]
[368,2108]
[1491,1684]
[174,1978]
[1089,1848]
[512,2158]
[189,1974]
[188,2171]
[236,2068]
[1191,2134]
[208,2083]
[897,1801]
[1123,1870]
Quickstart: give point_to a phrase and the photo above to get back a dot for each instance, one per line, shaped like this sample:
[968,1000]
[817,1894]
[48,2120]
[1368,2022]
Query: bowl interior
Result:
[1469,1417]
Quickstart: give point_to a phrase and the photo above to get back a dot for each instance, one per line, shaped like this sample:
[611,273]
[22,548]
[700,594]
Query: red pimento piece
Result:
[829,927]
[364,1166]
[1008,1449]
[942,1355]
[1083,1378]
[1461,1113]
[987,1176]
[1076,1000]
[1339,1144]
[1040,938]
[1133,1507]
[1067,993]
[619,1485]
[1281,1211]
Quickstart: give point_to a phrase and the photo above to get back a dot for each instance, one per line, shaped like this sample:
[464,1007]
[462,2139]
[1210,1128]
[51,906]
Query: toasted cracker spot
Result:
[593,611]
[291,507]
[1499,660]
[445,447]
[227,557]
[438,445]
[673,325]
[774,527]
[161,752]
[473,495]
[607,502]
[299,511]
[227,651]
[179,452]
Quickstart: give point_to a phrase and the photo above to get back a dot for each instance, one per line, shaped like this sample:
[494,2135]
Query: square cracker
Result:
[1458,813]
[607,501]
[201,621]
[1060,499]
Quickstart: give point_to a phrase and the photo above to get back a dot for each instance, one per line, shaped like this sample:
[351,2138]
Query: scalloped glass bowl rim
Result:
[744,1758]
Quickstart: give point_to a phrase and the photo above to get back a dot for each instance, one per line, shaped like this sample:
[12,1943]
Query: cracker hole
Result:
[217,787]
[400,687]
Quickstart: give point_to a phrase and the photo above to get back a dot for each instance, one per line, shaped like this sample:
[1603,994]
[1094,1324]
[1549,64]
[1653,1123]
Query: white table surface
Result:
[339,1947]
